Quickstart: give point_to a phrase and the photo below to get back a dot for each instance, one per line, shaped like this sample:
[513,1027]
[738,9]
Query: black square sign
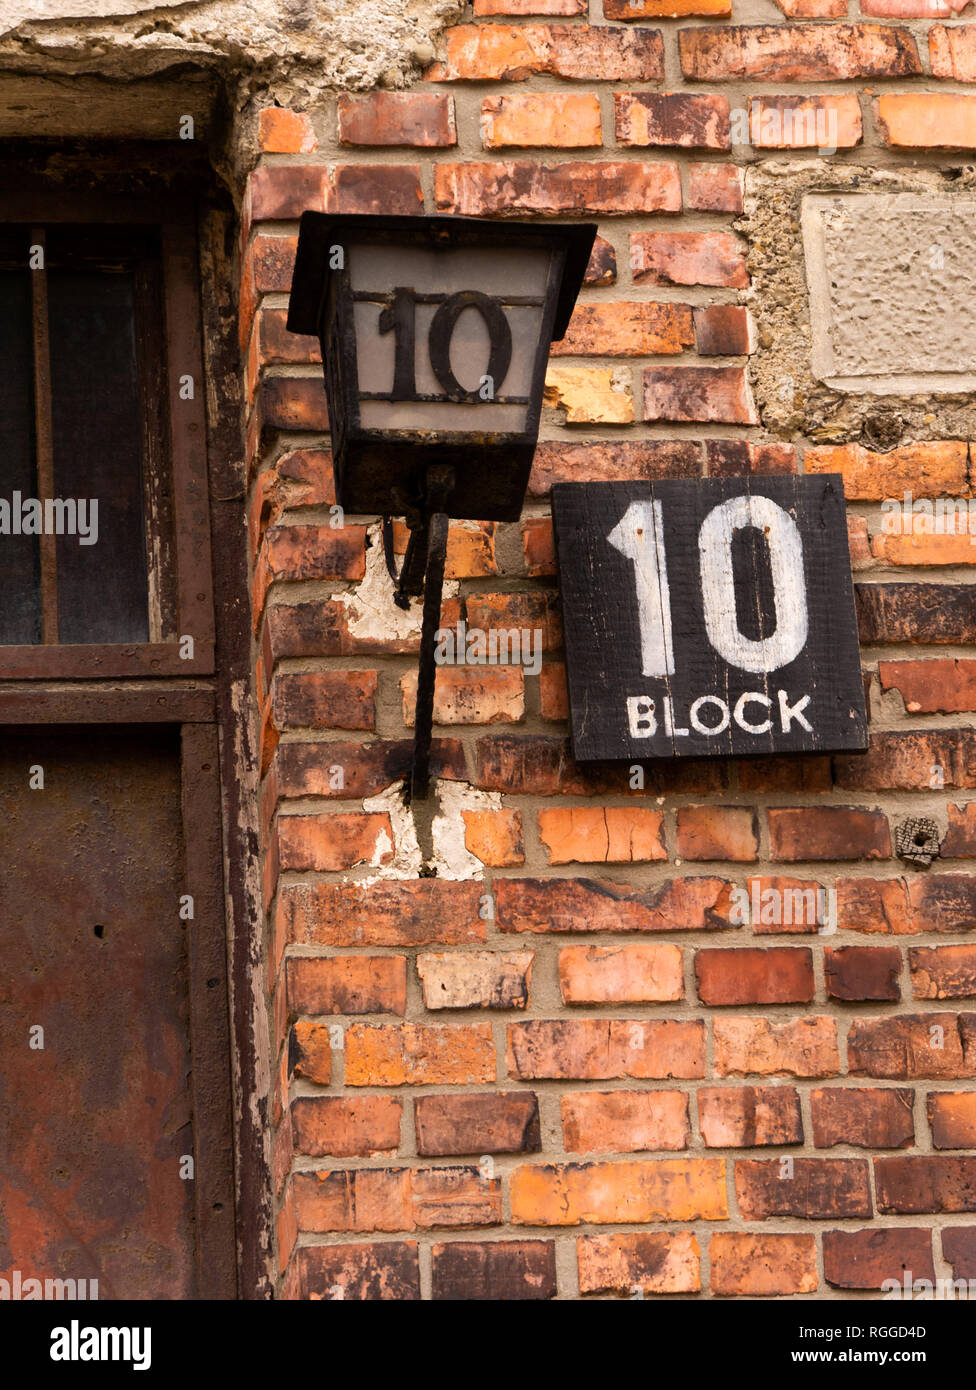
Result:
[709,617]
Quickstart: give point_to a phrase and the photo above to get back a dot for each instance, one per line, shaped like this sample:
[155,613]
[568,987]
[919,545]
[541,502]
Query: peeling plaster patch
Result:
[371,612]
[791,401]
[406,861]
[451,858]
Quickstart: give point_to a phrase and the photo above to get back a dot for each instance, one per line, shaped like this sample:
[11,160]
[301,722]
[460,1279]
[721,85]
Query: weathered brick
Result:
[762,1266]
[469,695]
[601,268]
[627,330]
[347,985]
[624,1121]
[539,547]
[943,686]
[869,1117]
[715,187]
[590,395]
[953,51]
[952,1119]
[553,694]
[718,832]
[512,53]
[346,1126]
[815,1189]
[475,979]
[653,1261]
[667,1189]
[606,461]
[602,835]
[827,832]
[564,120]
[413,1054]
[355,770]
[530,7]
[903,760]
[593,186]
[606,1049]
[498,1270]
[900,907]
[325,699]
[388,1270]
[423,119]
[924,1183]
[698,121]
[797,53]
[927,120]
[396,1199]
[281,131]
[943,972]
[268,266]
[688,258]
[930,1045]
[747,1117]
[588,905]
[310,1052]
[705,394]
[277,192]
[664,9]
[333,841]
[755,975]
[495,1122]
[927,469]
[725,330]
[916,612]
[731,458]
[805,122]
[866,1259]
[862,972]
[470,548]
[799,1047]
[782,906]
[621,974]
[324,629]
[960,840]
[925,548]
[529,612]
[494,837]
[409,913]
[959,1248]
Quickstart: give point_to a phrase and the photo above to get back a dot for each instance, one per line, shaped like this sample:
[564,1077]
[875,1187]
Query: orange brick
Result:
[645,974]
[541,119]
[953,51]
[487,52]
[669,1189]
[553,696]
[346,1126]
[332,842]
[470,548]
[467,695]
[653,1261]
[688,258]
[285,132]
[762,1266]
[664,9]
[624,1121]
[347,984]
[921,549]
[616,188]
[627,330]
[606,1049]
[602,835]
[538,545]
[807,122]
[718,832]
[927,120]
[422,119]
[590,395]
[408,1054]
[756,1046]
[744,1117]
[475,979]
[494,837]
[927,470]
[396,1199]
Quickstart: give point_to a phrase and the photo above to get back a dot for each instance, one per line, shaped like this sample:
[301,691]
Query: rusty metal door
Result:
[96,1133]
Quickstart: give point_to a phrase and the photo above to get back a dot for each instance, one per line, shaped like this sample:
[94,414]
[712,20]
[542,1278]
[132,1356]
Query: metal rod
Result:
[424,713]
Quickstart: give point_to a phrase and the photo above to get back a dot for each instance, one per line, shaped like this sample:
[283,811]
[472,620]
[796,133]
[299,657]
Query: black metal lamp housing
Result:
[435,334]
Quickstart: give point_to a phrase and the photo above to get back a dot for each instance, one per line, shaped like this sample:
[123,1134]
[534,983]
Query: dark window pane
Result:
[20,582]
[97,433]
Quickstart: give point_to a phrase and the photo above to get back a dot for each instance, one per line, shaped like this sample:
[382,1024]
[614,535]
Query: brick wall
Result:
[560,1063]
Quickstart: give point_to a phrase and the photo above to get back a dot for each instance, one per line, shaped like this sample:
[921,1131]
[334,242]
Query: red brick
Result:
[688,258]
[279,192]
[702,394]
[672,118]
[590,187]
[782,906]
[757,1046]
[285,132]
[602,835]
[960,840]
[899,907]
[539,546]
[916,612]
[718,832]
[539,766]
[409,913]
[903,760]
[761,975]
[422,119]
[467,695]
[412,1054]
[797,52]
[359,1273]
[868,1117]
[268,265]
[530,7]
[922,1183]
[627,330]
[827,832]
[805,122]
[323,629]
[762,1266]
[664,9]
[715,187]
[492,1123]
[562,120]
[325,700]
[952,1119]
[725,330]
[814,1189]
[621,974]
[953,51]
[606,1049]
[486,52]
[310,1052]
[862,972]
[959,1248]
[930,1045]
[943,972]
[587,905]
[668,1189]
[536,610]
[731,458]
[346,1126]
[553,695]
[606,461]
[366,768]
[396,1199]
[747,1117]
[624,1121]
[333,841]
[475,979]
[347,985]
[928,469]
[866,1259]
[927,120]
[497,1271]
[652,1261]
[944,686]
[601,269]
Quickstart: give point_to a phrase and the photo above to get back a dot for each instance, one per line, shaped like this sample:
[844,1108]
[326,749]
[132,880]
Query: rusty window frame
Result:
[186,475]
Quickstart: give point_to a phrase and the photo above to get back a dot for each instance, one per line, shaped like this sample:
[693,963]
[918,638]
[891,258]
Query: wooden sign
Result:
[709,617]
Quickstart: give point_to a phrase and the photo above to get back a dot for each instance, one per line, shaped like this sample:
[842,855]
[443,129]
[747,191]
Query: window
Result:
[104,542]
